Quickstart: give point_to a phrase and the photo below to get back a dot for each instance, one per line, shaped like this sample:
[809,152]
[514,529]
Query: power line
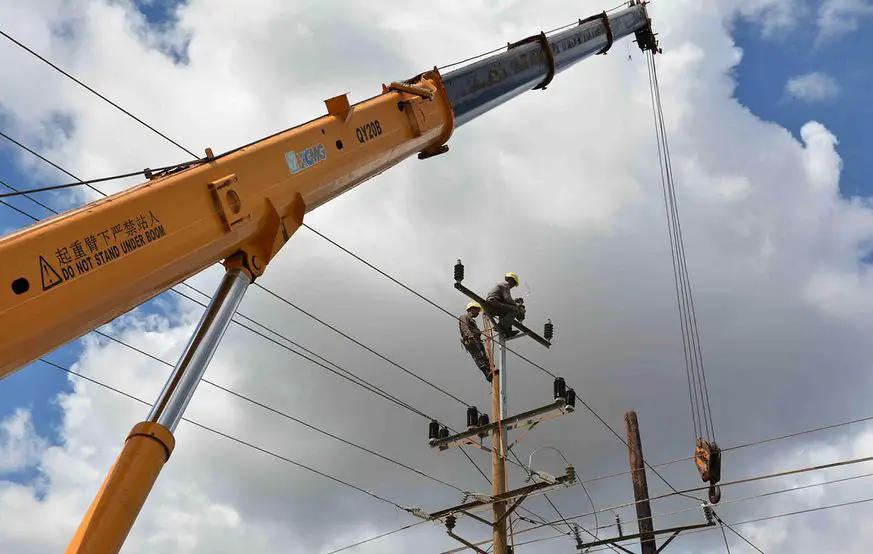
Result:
[723,503]
[736,447]
[377,537]
[196,157]
[735,532]
[434,304]
[80,83]
[359,343]
[18,192]
[53,164]
[736,524]
[791,514]
[724,536]
[10,206]
[297,420]
[363,383]
[345,374]
[351,377]
[230,437]
[92,181]
[418,294]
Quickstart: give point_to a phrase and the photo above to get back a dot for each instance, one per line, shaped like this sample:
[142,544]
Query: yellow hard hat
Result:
[512,275]
[474,305]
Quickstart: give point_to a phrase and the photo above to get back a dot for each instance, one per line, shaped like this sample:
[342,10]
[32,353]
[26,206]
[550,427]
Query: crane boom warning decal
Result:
[104,246]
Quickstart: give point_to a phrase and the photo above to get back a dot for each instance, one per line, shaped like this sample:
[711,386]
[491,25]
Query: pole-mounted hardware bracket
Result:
[520,326]
[472,437]
[673,531]
[567,480]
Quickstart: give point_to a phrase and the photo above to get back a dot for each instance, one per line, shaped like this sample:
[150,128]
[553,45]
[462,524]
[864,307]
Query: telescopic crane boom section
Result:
[69,274]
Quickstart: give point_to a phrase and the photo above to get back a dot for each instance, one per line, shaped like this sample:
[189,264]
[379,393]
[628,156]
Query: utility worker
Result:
[500,303]
[471,338]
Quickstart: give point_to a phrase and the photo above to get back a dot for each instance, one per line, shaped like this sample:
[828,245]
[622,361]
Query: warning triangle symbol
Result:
[50,277]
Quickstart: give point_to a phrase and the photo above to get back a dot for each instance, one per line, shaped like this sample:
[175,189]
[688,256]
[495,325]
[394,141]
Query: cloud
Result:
[812,87]
[20,448]
[773,16]
[560,186]
[839,17]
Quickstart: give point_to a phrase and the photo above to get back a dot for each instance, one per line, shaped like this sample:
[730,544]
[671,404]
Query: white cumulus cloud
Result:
[813,87]
[838,17]
[20,447]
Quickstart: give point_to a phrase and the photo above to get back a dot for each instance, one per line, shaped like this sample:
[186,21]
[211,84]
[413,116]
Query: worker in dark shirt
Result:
[471,338]
[500,303]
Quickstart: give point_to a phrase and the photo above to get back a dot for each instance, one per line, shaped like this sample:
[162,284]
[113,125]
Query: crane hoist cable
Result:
[707,455]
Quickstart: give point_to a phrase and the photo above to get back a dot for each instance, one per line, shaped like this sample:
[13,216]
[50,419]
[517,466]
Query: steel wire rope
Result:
[695,326]
[688,315]
[695,408]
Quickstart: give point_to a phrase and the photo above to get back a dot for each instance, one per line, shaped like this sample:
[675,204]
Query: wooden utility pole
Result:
[502,501]
[647,532]
[498,445]
[641,487]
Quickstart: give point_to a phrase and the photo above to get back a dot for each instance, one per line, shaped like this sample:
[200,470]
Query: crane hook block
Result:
[707,457]
[459,272]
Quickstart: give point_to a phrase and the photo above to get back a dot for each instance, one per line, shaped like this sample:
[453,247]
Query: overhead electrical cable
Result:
[354,379]
[735,532]
[359,343]
[228,436]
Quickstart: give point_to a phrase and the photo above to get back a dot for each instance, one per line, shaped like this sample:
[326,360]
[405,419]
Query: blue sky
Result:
[767,65]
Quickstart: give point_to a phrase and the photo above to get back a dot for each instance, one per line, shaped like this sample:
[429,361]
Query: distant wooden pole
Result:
[641,487]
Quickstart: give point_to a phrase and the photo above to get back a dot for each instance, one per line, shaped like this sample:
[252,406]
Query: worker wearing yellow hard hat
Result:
[502,304]
[471,338]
